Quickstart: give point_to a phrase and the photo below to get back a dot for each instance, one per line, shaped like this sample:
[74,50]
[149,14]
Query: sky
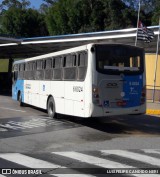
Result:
[36,3]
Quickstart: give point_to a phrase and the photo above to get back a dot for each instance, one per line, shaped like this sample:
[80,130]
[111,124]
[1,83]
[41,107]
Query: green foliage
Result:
[115,16]
[14,3]
[149,10]
[156,14]
[65,17]
[68,16]
[23,22]
[57,17]
[146,5]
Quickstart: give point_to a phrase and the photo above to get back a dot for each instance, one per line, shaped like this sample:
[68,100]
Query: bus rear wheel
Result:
[51,108]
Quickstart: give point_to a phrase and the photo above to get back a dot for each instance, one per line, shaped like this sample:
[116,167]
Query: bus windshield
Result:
[119,58]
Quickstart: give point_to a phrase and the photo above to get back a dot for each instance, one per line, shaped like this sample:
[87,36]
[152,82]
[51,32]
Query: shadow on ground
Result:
[128,124]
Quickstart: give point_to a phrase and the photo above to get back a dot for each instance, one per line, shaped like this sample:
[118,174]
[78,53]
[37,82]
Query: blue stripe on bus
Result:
[18,86]
[132,88]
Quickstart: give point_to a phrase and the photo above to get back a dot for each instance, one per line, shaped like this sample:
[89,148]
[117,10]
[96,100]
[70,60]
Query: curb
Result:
[153,112]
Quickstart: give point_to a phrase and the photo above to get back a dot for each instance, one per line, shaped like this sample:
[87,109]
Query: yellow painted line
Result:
[153,112]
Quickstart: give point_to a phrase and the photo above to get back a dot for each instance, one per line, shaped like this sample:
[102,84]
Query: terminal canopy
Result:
[29,47]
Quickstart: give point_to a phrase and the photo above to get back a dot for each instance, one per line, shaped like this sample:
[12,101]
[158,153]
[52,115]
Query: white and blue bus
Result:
[92,80]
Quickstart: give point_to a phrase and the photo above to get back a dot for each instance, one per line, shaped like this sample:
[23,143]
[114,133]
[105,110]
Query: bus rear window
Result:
[119,58]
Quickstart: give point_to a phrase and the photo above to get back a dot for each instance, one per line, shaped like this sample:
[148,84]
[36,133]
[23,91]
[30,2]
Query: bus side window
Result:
[15,73]
[69,70]
[34,65]
[82,65]
[48,63]
[53,63]
[68,61]
[58,61]
[32,70]
[25,72]
[57,68]
[39,71]
[15,67]
[74,58]
[44,64]
[28,71]
[39,64]
[21,71]
[27,66]
[48,74]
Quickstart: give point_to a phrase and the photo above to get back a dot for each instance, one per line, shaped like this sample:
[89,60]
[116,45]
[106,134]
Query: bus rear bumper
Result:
[104,112]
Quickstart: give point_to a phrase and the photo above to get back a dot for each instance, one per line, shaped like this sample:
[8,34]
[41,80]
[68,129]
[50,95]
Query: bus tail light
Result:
[143,95]
[121,103]
[95,92]
[95,95]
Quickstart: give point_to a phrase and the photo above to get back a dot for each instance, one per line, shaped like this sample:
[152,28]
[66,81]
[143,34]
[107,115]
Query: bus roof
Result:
[66,51]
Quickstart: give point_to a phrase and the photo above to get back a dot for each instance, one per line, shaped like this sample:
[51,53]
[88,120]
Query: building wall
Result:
[153,88]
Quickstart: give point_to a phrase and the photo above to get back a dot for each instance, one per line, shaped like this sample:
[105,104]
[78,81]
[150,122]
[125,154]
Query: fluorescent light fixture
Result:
[8,44]
[81,39]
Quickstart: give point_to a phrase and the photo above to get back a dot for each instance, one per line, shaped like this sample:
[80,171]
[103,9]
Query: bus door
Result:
[57,85]
[57,91]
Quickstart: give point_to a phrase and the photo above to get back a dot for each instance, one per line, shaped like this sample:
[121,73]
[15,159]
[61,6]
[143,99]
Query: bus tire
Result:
[51,108]
[20,99]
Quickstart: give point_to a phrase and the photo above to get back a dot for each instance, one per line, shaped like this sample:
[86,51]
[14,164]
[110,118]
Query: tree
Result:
[25,4]
[23,22]
[6,4]
[47,3]
[50,2]
[34,24]
[74,16]
[156,14]
[19,20]
[56,19]
[92,14]
[68,16]
[146,5]
[115,16]
[147,9]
